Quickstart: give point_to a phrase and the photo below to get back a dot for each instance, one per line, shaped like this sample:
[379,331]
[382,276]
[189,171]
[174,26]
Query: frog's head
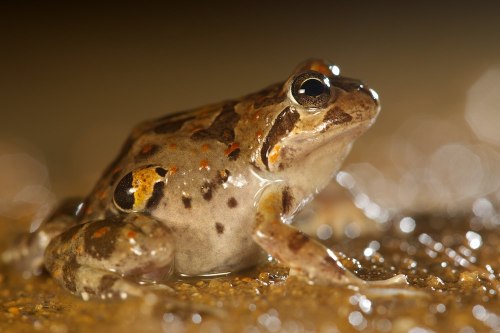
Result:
[312,130]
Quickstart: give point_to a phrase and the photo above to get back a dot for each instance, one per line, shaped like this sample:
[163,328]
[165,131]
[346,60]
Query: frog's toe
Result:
[89,282]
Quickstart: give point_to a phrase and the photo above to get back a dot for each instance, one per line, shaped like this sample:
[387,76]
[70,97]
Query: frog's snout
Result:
[349,84]
[372,93]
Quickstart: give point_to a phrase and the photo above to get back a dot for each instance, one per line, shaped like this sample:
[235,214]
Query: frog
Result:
[212,191]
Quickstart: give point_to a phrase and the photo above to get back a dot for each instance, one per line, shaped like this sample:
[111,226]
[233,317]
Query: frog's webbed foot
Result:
[28,249]
[304,255]
[107,258]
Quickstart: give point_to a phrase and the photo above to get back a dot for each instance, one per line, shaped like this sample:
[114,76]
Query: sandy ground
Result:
[443,295]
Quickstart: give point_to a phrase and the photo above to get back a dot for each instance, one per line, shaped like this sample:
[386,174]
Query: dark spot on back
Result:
[146,151]
[123,197]
[232,203]
[107,282]
[156,196]
[336,116]
[286,200]
[170,126]
[69,273]
[101,247]
[297,241]
[233,156]
[283,124]
[206,190]
[222,177]
[220,228]
[222,128]
[186,201]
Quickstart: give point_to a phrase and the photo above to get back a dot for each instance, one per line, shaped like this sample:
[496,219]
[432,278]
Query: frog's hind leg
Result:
[28,249]
[304,255]
[107,258]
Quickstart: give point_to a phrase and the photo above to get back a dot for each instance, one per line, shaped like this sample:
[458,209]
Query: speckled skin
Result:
[205,191]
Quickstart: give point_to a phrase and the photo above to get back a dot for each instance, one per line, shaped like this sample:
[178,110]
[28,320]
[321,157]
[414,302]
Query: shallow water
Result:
[453,275]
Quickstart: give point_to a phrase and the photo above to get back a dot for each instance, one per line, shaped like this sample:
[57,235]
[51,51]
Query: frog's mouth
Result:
[328,148]
[330,137]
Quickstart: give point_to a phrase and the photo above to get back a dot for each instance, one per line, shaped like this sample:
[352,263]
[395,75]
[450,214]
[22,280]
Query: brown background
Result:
[75,78]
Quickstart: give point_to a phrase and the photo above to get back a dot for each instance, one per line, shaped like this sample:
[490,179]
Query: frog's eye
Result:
[311,89]
[140,190]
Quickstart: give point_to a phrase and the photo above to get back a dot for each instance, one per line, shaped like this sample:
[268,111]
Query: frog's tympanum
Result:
[212,190]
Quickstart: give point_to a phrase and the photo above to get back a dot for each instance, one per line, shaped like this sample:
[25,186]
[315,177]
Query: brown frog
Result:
[212,190]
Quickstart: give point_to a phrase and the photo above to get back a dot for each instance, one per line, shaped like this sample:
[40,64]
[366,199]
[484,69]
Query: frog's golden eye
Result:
[311,89]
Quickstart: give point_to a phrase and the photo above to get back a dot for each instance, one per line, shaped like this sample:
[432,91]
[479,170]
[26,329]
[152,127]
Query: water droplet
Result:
[441,308]
[479,312]
[475,240]
[196,318]
[356,318]
[407,224]
[324,232]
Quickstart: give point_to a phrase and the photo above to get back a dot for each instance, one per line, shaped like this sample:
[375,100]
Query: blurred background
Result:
[75,78]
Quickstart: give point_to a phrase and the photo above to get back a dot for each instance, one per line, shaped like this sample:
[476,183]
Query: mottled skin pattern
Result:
[206,191]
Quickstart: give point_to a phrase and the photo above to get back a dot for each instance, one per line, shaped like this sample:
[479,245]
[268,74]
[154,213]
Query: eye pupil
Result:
[312,87]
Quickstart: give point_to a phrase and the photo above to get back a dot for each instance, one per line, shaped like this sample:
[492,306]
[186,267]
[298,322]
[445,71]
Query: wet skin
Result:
[211,190]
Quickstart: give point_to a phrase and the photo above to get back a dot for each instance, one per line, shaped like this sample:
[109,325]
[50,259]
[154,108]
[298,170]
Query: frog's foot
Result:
[110,257]
[89,282]
[27,250]
[304,255]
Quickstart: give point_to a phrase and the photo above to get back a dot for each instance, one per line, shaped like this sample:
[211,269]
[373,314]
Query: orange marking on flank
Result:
[259,134]
[204,164]
[172,146]
[173,170]
[100,232]
[231,148]
[205,147]
[131,234]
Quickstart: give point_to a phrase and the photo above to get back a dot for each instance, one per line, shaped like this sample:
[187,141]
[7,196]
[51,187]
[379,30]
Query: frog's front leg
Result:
[108,257]
[304,255]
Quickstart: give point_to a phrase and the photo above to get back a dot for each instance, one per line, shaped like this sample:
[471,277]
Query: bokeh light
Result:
[483,106]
